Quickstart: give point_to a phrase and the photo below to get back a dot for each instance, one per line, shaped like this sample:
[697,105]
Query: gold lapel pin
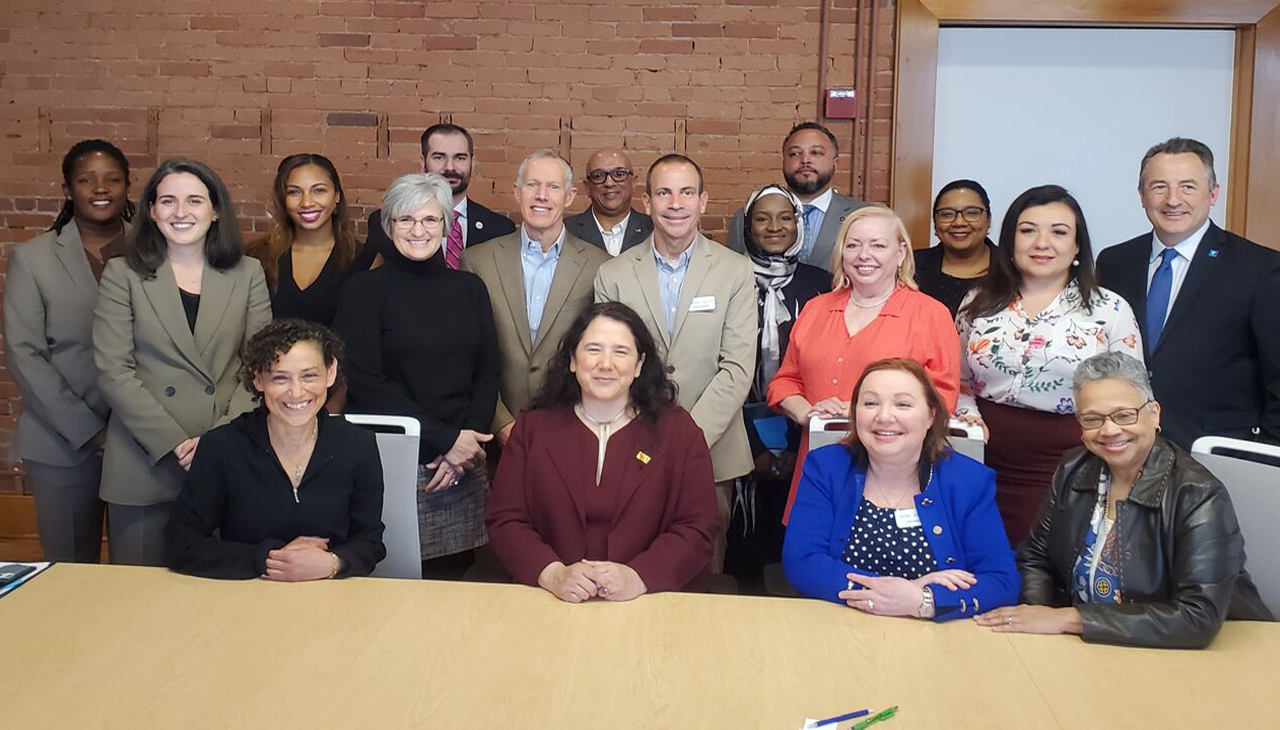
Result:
[642,457]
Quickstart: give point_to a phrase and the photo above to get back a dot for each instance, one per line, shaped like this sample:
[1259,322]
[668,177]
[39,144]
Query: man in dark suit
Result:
[448,150]
[808,165]
[1207,302]
[610,223]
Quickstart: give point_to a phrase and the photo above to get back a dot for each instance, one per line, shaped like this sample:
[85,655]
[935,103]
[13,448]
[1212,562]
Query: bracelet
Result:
[337,564]
[926,604]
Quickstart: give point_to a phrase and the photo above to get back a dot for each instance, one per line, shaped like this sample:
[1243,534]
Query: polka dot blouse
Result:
[878,546]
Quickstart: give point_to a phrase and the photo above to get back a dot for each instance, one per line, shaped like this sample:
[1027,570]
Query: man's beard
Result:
[808,188]
[460,186]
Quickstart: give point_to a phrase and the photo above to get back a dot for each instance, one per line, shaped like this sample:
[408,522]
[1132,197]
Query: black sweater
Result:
[237,487]
[421,343]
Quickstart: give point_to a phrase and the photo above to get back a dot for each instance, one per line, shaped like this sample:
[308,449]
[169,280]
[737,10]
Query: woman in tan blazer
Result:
[171,318]
[50,288]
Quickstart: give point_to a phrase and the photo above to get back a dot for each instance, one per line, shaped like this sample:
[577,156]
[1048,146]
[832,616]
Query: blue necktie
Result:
[1158,297]
[810,230]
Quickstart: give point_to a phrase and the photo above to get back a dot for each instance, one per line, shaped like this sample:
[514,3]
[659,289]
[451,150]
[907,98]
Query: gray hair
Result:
[409,193]
[1112,366]
[546,154]
[1179,146]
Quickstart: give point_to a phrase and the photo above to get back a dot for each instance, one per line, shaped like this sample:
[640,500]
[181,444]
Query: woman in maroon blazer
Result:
[605,486]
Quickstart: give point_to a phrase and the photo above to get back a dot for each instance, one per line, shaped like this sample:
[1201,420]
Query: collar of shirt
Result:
[822,202]
[531,250]
[683,263]
[1186,249]
[616,230]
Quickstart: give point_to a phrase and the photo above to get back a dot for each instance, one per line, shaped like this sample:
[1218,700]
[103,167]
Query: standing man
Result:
[448,149]
[610,223]
[699,301]
[808,164]
[539,280]
[1207,301]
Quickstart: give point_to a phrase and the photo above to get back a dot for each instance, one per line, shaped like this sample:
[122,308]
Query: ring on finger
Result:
[1008,621]
[871,605]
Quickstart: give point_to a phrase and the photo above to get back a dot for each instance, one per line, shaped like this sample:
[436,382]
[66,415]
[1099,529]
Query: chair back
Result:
[1255,493]
[964,438]
[398,446]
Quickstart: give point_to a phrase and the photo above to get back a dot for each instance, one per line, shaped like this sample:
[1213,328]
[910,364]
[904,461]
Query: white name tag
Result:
[703,304]
[906,518]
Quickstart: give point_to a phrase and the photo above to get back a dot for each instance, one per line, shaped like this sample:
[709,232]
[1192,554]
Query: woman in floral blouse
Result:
[1038,313]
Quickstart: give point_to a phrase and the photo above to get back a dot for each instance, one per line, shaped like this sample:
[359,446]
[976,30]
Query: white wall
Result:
[1019,107]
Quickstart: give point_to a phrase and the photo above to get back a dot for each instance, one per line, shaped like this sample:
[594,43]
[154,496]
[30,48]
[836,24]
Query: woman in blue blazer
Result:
[892,522]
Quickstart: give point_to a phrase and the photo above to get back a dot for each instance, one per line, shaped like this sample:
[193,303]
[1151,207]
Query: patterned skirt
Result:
[452,520]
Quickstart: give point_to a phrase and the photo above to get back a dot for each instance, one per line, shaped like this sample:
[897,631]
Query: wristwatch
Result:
[926,603]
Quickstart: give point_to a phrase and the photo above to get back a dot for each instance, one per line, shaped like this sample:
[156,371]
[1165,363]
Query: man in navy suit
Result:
[449,150]
[610,223]
[1207,302]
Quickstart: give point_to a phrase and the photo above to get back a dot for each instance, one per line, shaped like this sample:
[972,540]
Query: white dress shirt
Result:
[1180,263]
[612,237]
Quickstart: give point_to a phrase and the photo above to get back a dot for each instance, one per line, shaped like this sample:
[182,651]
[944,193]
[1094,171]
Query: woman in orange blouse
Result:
[874,311]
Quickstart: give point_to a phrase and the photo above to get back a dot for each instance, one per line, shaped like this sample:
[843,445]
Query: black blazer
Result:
[482,225]
[583,225]
[1216,369]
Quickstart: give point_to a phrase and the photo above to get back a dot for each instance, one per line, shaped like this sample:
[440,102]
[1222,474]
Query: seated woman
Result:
[1138,543]
[292,493]
[884,519]
[605,486]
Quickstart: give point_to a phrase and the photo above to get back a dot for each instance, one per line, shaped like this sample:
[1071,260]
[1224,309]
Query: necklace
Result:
[603,429]
[870,305]
[294,468]
[893,504]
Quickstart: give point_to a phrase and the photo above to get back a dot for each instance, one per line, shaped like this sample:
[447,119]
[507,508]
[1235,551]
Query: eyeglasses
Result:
[947,215]
[619,174]
[1122,417]
[408,222]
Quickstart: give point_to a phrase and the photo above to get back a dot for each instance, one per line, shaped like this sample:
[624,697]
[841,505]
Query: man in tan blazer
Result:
[699,302]
[539,280]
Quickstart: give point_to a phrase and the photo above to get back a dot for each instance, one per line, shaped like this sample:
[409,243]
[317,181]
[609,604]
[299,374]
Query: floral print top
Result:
[1028,362]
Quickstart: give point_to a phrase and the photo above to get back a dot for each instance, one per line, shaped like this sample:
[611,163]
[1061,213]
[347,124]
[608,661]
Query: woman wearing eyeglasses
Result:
[1138,543]
[1037,314]
[961,220]
[421,342]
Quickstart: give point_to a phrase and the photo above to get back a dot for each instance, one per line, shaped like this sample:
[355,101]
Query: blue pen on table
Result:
[841,718]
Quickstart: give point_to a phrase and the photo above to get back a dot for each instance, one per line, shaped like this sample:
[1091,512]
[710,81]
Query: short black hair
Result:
[802,126]
[447,128]
[69,160]
[223,246]
[964,185]
[1179,146]
[276,339]
[672,158]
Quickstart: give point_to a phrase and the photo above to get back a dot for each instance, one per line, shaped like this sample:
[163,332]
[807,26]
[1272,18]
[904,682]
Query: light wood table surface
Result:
[117,647]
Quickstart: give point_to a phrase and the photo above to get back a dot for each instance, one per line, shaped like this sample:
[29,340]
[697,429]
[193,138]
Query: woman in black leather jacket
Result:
[1138,543]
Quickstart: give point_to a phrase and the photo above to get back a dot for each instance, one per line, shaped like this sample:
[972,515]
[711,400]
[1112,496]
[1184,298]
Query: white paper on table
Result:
[40,568]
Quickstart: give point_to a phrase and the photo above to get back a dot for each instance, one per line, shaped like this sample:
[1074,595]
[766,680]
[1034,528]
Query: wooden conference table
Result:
[101,646]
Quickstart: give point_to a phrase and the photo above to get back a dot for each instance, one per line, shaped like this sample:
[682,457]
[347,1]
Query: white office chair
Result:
[964,438]
[1255,494]
[398,447]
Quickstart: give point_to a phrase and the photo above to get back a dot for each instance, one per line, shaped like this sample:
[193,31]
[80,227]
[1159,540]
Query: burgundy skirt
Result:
[1025,447]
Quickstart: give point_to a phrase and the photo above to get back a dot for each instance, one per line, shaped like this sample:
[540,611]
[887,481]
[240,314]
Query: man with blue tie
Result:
[1208,303]
[808,165]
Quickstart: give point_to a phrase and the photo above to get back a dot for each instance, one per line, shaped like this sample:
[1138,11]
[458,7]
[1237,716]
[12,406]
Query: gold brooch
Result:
[642,457]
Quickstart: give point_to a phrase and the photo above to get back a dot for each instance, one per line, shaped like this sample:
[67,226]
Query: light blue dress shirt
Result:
[539,269]
[670,280]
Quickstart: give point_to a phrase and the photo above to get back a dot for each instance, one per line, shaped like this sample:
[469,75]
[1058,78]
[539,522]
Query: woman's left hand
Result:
[1024,619]
[617,582]
[299,563]
[883,595]
[446,476]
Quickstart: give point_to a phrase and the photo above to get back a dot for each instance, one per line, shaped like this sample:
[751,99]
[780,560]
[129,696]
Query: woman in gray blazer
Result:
[50,288]
[171,318]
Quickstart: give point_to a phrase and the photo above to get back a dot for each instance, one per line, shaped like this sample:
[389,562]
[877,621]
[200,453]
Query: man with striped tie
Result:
[449,150]
[808,165]
[1207,302]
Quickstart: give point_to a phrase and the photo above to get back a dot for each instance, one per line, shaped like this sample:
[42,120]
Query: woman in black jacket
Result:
[1138,543]
[292,493]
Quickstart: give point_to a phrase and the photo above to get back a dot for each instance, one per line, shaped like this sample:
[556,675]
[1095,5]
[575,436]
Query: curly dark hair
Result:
[652,392]
[276,339]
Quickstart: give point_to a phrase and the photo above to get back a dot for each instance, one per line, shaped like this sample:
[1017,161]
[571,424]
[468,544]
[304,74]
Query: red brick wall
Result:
[240,83]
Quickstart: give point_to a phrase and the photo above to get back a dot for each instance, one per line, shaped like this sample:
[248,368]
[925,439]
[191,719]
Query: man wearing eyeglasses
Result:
[539,280]
[808,166]
[449,151]
[610,223]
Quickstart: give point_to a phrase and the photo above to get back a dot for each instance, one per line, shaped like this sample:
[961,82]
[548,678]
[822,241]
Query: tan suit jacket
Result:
[49,293]
[165,383]
[711,354]
[524,362]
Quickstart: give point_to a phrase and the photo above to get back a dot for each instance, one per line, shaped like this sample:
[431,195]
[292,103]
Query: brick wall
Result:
[241,83]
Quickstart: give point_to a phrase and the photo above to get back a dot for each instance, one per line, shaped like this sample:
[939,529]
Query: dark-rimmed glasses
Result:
[1121,417]
[619,174]
[971,214]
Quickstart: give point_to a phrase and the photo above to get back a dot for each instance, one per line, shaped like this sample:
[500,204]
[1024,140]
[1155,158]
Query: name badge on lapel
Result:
[906,518]
[703,304]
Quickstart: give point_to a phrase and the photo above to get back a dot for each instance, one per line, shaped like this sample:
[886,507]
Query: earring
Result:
[1075,262]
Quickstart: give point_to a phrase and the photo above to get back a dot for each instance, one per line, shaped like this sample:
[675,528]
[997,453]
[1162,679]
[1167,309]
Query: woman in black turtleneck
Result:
[421,342]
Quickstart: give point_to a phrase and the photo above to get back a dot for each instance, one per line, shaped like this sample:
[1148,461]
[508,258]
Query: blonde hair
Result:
[906,270]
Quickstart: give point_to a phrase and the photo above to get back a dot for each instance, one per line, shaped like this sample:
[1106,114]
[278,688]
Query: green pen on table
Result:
[876,718]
